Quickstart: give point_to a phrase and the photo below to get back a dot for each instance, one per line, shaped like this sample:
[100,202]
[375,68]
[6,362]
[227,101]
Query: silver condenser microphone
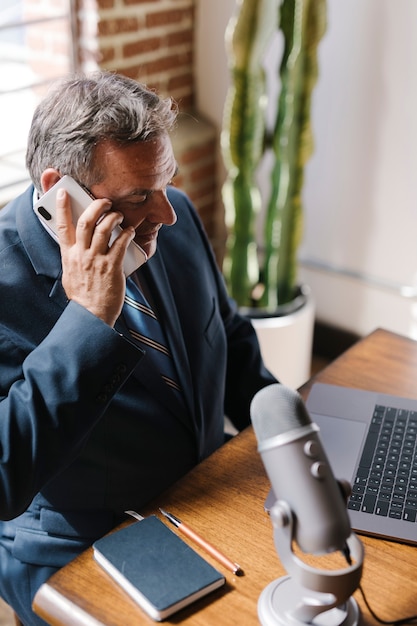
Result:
[298,469]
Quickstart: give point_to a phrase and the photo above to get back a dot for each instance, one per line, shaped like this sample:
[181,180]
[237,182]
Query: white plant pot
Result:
[286,343]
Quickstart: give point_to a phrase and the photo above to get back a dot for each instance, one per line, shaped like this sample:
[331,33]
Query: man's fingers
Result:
[64,225]
[97,234]
[95,223]
[121,242]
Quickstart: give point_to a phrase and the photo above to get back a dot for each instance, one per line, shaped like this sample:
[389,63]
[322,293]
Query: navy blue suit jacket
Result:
[87,429]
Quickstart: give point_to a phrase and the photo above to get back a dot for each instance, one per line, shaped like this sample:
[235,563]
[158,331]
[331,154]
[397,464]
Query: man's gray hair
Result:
[82,111]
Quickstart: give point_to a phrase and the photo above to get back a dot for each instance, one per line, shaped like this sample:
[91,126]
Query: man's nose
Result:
[161,211]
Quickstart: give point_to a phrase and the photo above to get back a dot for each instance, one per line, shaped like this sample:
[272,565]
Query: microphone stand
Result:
[309,596]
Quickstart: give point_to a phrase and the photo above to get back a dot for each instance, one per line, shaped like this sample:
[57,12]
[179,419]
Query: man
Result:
[88,427]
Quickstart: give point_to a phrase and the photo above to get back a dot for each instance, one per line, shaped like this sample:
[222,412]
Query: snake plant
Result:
[262,271]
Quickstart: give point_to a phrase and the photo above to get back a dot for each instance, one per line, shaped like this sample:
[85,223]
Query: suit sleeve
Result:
[246,373]
[48,411]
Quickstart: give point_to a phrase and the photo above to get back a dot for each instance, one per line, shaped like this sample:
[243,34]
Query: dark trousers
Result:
[18,584]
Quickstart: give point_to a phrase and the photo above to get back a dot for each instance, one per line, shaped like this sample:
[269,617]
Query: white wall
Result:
[360,194]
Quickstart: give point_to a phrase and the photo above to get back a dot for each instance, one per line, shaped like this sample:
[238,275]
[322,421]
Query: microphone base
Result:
[282,599]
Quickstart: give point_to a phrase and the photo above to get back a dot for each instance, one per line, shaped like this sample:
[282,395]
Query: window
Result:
[36,47]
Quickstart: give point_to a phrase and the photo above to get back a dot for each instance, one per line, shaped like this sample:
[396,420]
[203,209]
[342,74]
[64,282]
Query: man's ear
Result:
[49,177]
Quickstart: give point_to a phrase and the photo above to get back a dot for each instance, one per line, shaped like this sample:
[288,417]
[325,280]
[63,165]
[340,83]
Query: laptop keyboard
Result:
[386,480]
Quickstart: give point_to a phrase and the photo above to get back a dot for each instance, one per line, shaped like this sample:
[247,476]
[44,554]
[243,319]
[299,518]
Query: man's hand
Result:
[92,272]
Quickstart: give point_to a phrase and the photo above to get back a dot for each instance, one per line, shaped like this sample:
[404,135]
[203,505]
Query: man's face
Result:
[136,177]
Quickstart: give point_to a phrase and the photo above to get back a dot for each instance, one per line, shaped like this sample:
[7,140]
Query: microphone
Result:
[298,469]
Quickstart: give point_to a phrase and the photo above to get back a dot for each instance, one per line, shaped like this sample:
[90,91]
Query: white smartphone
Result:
[45,207]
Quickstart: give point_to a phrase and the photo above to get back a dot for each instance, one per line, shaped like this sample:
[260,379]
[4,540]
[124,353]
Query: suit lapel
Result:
[42,250]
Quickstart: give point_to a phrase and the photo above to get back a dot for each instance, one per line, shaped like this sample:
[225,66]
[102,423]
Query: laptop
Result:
[370,440]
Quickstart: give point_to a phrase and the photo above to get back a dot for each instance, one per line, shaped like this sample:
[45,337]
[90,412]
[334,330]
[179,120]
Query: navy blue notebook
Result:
[156,567]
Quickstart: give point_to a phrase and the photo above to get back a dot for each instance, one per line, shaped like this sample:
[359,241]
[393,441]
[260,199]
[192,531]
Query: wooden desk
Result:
[223,499]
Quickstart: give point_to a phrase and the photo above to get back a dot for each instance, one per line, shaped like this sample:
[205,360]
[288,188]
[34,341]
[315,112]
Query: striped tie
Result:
[144,327]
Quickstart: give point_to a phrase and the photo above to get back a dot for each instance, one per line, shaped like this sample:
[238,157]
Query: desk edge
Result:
[56,605]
